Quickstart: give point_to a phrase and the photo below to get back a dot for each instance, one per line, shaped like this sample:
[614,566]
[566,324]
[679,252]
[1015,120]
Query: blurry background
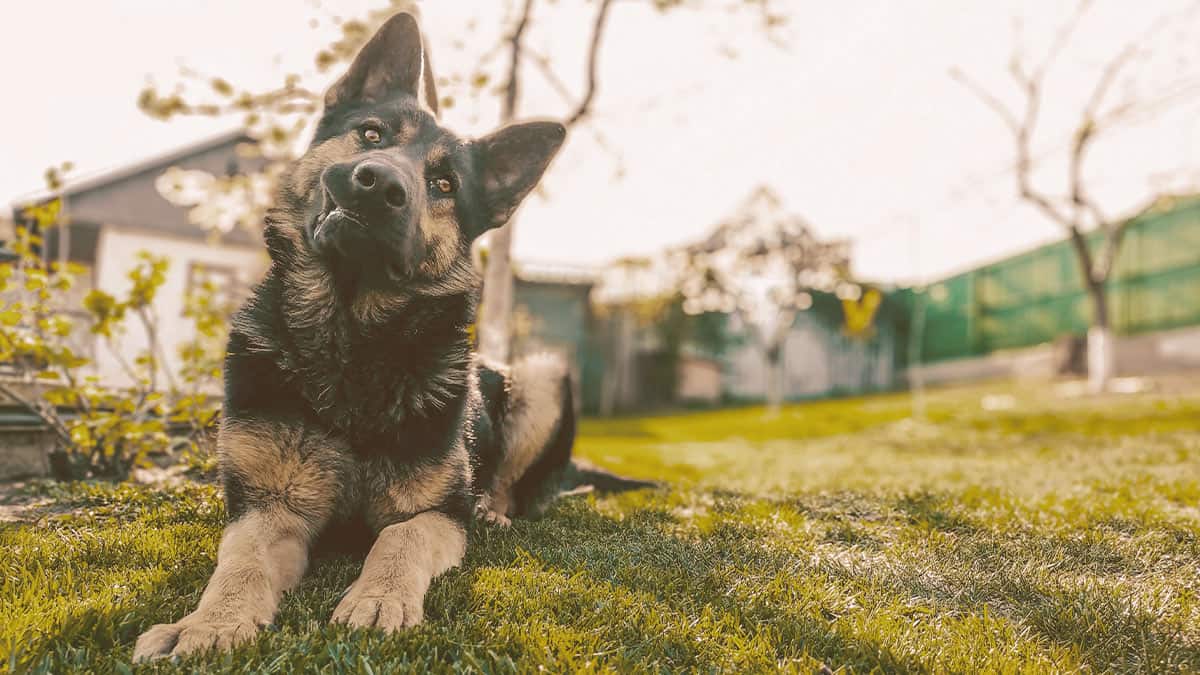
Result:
[759,201]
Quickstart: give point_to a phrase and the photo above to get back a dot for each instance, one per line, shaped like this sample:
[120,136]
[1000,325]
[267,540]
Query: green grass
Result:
[1050,536]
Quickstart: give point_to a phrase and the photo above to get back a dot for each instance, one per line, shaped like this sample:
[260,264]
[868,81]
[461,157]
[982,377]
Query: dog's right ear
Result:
[392,62]
[513,161]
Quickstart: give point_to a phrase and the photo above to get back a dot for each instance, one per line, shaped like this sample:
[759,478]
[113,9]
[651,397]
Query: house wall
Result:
[116,255]
[132,199]
[818,361]
[552,317]
[24,451]
[699,380]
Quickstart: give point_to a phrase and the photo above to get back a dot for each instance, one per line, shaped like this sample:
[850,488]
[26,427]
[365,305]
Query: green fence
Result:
[1038,296]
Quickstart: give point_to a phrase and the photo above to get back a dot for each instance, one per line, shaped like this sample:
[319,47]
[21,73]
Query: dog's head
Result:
[388,197]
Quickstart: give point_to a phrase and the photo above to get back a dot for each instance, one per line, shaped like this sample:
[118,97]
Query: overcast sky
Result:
[853,120]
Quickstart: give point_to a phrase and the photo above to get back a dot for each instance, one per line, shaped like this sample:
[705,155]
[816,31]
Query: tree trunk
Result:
[774,361]
[495,312]
[1101,347]
[916,348]
[619,390]
[494,324]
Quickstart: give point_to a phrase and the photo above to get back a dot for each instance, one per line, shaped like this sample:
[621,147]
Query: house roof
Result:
[111,175]
[555,273]
[128,197]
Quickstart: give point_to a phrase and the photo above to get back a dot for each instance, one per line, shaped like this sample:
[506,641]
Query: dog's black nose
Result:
[376,186]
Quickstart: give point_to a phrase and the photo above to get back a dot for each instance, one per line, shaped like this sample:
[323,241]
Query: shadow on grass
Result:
[1078,589]
[823,583]
[1032,583]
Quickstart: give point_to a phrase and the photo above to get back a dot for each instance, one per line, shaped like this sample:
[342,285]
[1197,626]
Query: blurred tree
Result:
[640,298]
[1076,208]
[279,115]
[762,265]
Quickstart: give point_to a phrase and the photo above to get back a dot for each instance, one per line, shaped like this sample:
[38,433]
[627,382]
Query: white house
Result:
[113,215]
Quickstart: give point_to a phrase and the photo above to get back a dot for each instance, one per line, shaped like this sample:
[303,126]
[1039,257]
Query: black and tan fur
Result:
[353,400]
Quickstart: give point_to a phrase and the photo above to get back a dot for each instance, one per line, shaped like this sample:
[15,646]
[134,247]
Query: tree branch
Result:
[556,83]
[589,93]
[512,87]
[1024,167]
[1107,78]
[989,99]
[284,100]
[1115,234]
[1061,38]
[1089,128]
[115,352]
[157,360]
[1085,256]
[1023,128]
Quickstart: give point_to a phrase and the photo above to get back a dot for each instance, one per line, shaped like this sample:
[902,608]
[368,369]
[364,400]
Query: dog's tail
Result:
[556,473]
[581,477]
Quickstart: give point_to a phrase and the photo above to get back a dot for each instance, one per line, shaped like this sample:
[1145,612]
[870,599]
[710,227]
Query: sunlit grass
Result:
[1051,535]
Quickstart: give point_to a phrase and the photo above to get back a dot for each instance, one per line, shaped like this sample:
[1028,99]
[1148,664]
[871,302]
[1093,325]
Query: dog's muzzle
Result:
[369,211]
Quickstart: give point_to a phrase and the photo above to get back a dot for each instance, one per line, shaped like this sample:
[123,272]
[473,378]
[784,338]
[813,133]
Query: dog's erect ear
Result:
[429,86]
[513,160]
[392,62]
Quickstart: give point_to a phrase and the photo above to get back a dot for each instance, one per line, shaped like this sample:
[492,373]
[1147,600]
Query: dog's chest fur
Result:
[401,381]
[380,381]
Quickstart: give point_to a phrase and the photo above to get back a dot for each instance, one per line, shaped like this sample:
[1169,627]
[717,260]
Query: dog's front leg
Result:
[390,592]
[281,483]
[262,554]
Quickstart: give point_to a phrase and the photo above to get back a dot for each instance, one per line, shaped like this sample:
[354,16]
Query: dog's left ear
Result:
[392,62]
[513,160]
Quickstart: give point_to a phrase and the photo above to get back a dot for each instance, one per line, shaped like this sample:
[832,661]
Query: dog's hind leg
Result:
[279,487]
[536,435]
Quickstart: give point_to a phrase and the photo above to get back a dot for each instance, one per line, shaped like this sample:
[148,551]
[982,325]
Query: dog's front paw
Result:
[496,518]
[486,511]
[373,609]
[191,634]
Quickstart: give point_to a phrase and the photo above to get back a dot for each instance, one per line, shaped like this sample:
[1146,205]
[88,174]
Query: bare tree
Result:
[762,265]
[495,319]
[1078,210]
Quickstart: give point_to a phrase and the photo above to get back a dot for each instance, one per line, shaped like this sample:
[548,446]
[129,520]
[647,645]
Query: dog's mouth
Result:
[347,234]
[334,216]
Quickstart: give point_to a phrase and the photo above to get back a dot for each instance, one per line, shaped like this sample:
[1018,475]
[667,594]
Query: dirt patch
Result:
[18,505]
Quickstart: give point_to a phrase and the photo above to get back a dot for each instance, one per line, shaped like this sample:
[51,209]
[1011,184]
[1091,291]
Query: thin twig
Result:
[1061,38]
[512,87]
[556,83]
[989,99]
[585,103]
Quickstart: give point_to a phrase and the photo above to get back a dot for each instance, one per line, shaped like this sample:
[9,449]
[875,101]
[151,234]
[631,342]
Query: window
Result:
[228,289]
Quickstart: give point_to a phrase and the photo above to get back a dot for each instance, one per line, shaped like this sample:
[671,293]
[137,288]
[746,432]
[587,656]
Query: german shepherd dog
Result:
[353,400]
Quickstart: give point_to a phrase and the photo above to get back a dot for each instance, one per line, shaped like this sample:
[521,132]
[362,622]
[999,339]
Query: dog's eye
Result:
[372,135]
[444,184]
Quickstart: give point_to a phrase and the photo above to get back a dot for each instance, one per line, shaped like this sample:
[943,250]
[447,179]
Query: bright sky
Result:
[854,121]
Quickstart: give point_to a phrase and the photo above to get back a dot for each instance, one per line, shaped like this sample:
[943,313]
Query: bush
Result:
[105,431]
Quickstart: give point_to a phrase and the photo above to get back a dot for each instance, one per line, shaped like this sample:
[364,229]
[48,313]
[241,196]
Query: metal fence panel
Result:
[1038,296]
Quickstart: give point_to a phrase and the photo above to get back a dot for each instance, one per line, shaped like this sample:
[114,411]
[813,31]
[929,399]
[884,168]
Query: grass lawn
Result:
[1048,535]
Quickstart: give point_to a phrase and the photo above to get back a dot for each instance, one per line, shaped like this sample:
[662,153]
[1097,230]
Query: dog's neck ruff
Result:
[369,364]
